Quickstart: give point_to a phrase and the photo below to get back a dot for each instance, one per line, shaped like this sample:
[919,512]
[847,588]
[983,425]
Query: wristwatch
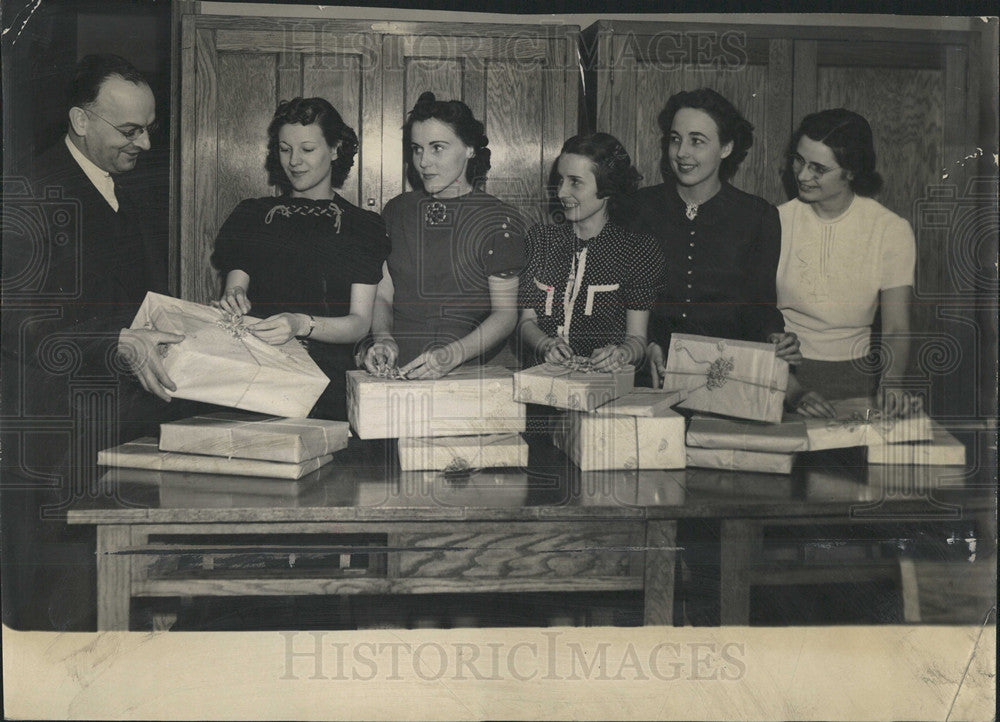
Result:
[312,325]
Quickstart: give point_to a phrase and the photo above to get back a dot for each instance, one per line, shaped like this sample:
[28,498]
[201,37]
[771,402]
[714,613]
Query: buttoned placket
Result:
[690,269]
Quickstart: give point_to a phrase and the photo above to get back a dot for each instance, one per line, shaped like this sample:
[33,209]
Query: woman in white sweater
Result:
[843,257]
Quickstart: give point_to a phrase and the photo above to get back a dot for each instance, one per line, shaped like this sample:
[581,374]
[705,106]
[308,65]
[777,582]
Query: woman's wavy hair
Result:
[849,136]
[463,123]
[337,133]
[732,126]
[616,176]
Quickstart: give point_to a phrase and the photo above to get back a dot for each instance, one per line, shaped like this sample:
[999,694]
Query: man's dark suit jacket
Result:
[73,278]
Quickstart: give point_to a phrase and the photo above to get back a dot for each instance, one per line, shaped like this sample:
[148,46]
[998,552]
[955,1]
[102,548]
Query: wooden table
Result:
[360,526]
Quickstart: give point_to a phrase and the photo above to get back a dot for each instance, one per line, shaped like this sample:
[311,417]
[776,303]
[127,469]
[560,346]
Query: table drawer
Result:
[511,550]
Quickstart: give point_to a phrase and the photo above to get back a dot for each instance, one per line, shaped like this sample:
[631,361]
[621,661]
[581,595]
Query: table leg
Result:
[741,542]
[661,554]
[114,578]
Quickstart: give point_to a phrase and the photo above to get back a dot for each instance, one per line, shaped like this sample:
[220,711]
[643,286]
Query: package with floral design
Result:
[570,386]
[742,379]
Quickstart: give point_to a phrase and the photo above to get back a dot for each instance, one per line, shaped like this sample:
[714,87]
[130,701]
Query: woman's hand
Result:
[814,405]
[788,347]
[555,350]
[381,356]
[280,328]
[657,364]
[898,402]
[234,301]
[432,364]
[610,358]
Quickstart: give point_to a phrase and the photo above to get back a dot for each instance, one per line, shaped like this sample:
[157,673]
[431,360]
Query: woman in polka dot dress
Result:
[589,284]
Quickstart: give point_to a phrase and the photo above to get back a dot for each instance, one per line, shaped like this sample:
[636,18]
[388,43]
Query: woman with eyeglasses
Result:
[844,256]
[308,258]
[721,244]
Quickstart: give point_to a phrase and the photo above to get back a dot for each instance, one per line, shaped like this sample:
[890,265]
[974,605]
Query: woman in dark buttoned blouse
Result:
[721,245]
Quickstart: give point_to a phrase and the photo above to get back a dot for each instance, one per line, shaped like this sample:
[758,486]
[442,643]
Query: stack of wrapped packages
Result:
[741,380]
[609,424]
[747,382]
[463,421]
[220,362]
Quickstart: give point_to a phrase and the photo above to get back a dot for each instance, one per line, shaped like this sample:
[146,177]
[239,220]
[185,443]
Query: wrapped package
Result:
[858,422]
[598,441]
[471,400]
[643,402]
[145,454]
[221,362]
[462,453]
[731,378]
[942,450]
[713,433]
[739,460]
[219,489]
[245,436]
[566,387]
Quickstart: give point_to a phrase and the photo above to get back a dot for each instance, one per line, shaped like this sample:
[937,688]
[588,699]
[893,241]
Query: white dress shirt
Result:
[101,179]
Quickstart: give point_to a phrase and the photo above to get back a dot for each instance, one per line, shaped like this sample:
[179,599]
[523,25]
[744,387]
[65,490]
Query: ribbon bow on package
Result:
[858,422]
[742,379]
[573,385]
[221,362]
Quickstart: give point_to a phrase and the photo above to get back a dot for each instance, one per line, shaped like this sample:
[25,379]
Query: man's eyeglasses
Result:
[817,170]
[133,132]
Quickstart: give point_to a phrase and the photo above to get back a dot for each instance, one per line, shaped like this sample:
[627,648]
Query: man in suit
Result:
[70,363]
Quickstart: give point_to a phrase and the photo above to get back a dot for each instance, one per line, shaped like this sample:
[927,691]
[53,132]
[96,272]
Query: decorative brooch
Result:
[691,210]
[436,213]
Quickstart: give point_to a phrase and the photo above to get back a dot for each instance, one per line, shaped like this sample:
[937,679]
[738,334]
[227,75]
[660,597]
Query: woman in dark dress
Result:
[721,245]
[449,292]
[590,283]
[309,259]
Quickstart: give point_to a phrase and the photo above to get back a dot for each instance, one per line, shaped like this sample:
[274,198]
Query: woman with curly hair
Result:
[844,256]
[590,284]
[448,295]
[721,245]
[308,258]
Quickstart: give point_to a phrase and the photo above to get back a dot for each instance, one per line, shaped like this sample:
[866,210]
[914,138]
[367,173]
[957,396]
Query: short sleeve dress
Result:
[581,290]
[303,256]
[443,253]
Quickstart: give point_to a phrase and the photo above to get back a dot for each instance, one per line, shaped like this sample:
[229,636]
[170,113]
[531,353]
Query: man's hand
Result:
[141,348]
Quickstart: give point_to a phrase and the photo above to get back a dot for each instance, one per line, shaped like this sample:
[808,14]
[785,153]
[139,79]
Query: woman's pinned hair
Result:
[613,170]
[732,126]
[458,116]
[849,136]
[337,133]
